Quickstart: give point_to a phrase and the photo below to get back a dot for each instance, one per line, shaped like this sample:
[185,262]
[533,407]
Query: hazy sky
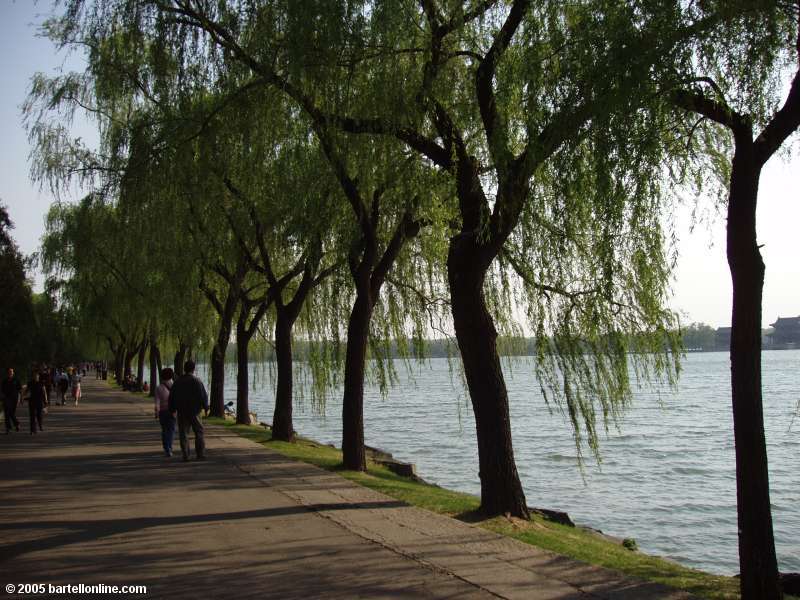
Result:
[702,287]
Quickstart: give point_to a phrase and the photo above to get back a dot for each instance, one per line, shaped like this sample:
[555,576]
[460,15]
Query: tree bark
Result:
[242,376]
[757,559]
[368,276]
[119,362]
[159,364]
[501,490]
[226,312]
[217,395]
[129,354]
[114,353]
[180,358]
[140,364]
[155,368]
[282,424]
[353,454]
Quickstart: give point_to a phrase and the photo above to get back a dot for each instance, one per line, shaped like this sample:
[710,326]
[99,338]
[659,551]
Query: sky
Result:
[701,287]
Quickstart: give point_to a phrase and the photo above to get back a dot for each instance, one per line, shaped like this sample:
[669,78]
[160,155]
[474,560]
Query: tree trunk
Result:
[501,490]
[282,425]
[180,358]
[242,373]
[217,395]
[128,360]
[140,365]
[757,559]
[155,368]
[368,277]
[217,386]
[353,455]
[119,361]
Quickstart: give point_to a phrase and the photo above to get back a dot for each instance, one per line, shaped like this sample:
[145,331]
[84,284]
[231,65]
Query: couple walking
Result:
[12,392]
[183,398]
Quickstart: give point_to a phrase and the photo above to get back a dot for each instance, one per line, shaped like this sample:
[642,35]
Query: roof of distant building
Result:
[786,321]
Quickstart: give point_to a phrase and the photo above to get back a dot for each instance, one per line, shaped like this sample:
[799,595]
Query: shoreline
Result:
[583,543]
[670,464]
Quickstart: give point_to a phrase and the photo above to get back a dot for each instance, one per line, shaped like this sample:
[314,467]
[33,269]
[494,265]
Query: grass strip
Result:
[573,542]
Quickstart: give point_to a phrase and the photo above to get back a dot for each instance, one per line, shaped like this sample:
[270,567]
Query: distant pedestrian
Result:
[188,397]
[165,416]
[75,385]
[44,377]
[37,400]
[62,385]
[11,389]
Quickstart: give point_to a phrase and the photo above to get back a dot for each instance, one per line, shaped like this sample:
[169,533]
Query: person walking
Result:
[75,385]
[11,389]
[164,415]
[62,385]
[37,400]
[188,397]
[44,377]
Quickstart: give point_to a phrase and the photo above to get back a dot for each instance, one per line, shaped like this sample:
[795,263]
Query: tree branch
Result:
[781,126]
[348,184]
[406,229]
[236,193]
[715,110]
[210,294]
[496,134]
[225,39]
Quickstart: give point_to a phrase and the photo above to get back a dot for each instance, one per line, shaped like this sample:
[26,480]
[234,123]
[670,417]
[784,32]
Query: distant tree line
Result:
[33,328]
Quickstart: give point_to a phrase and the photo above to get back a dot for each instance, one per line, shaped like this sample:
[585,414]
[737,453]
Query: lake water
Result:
[667,477]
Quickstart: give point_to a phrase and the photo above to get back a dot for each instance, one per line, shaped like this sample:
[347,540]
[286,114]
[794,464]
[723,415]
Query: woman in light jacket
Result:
[75,384]
[162,412]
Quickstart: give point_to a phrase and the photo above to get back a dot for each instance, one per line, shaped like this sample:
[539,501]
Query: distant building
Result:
[786,333]
[766,338]
[722,338]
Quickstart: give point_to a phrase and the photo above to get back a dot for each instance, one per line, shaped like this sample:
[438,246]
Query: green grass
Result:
[570,541]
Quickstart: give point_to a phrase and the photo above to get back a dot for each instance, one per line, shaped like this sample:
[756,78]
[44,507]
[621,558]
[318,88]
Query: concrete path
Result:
[91,500]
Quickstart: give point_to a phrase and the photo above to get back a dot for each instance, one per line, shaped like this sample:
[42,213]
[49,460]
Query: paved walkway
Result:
[91,500]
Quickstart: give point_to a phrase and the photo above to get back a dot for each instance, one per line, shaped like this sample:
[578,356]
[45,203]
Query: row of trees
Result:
[359,172]
[33,329]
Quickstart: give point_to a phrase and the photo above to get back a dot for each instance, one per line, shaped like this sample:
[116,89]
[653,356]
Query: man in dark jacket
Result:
[188,397]
[11,389]
[37,400]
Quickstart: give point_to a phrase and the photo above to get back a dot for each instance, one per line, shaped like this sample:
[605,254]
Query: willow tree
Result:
[378,189]
[384,223]
[494,96]
[74,256]
[125,171]
[367,179]
[150,191]
[167,146]
[499,99]
[16,305]
[741,108]
[83,246]
[296,236]
[281,221]
[225,276]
